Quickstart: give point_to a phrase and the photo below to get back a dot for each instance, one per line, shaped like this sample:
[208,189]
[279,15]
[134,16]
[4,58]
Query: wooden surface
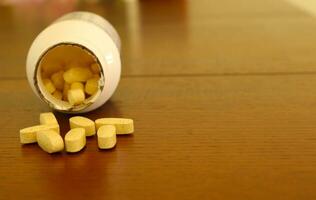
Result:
[222,94]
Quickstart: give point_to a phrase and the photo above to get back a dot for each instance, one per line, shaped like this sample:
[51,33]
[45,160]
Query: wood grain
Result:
[222,94]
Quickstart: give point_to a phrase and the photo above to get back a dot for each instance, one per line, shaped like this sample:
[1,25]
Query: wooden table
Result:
[223,94]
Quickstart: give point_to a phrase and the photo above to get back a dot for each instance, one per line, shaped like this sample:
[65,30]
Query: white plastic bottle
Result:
[77,37]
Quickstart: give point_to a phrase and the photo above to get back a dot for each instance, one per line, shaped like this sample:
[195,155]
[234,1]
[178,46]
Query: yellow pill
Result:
[83,122]
[75,97]
[57,94]
[92,86]
[77,85]
[65,91]
[95,68]
[77,74]
[49,86]
[28,135]
[50,141]
[48,118]
[123,126]
[106,137]
[75,140]
[58,80]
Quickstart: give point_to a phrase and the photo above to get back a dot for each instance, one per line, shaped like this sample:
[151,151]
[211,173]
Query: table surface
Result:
[222,94]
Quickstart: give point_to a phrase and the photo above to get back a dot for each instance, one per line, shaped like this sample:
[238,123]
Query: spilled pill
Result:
[28,135]
[83,122]
[122,125]
[75,139]
[106,137]
[50,141]
[48,118]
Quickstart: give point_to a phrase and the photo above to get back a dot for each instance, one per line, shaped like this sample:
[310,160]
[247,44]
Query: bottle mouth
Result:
[51,81]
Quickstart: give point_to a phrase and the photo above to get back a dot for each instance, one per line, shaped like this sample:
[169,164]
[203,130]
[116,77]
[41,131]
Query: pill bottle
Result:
[77,39]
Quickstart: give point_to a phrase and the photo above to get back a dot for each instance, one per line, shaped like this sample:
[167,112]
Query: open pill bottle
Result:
[79,52]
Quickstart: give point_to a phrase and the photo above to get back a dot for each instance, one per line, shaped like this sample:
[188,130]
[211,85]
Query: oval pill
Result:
[106,137]
[28,135]
[95,68]
[50,141]
[83,122]
[76,96]
[75,140]
[122,125]
[48,118]
[57,94]
[58,80]
[49,86]
[77,85]
[77,74]
[92,86]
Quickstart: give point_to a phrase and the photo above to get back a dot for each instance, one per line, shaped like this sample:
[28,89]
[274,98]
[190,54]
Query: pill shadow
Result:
[29,148]
[36,151]
[107,150]
[76,153]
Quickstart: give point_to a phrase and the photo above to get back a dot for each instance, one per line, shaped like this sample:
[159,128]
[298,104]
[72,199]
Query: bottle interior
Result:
[69,60]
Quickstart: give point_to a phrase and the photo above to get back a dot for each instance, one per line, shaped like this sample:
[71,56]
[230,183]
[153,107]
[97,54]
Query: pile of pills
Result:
[72,83]
[47,134]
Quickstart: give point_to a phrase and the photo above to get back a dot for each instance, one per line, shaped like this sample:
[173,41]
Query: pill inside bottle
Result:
[74,64]
[68,64]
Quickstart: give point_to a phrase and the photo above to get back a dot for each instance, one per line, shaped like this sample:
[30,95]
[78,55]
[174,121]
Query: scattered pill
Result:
[77,74]
[123,126]
[57,94]
[76,96]
[48,118]
[83,122]
[28,135]
[48,137]
[50,141]
[49,86]
[75,139]
[106,137]
[58,80]
[92,85]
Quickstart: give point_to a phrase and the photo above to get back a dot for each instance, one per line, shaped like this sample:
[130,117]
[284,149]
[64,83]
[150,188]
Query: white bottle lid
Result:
[85,32]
